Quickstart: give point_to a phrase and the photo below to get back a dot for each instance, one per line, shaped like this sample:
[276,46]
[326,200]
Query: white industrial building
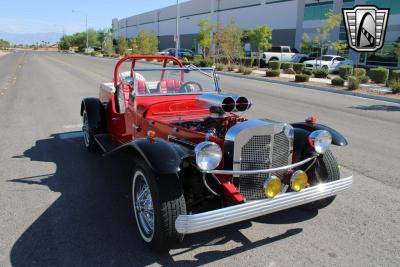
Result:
[289,19]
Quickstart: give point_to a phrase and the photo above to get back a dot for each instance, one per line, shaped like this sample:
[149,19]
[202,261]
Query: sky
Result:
[41,16]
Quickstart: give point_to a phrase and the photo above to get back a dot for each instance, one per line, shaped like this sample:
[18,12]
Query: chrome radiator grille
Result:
[261,152]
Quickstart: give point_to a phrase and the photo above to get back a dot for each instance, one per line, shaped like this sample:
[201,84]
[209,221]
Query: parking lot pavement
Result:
[64,206]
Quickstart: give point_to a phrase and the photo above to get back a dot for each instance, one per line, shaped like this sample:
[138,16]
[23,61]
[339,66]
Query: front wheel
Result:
[155,217]
[325,169]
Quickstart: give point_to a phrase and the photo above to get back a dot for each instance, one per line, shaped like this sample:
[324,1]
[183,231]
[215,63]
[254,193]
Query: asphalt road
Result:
[63,206]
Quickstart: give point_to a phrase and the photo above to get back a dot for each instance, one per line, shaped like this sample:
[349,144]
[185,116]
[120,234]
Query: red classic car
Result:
[197,162]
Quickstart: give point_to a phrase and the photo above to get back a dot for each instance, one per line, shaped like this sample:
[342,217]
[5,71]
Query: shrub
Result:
[299,67]
[275,65]
[353,83]
[337,81]
[241,69]
[394,85]
[364,79]
[286,65]
[395,75]
[307,72]
[231,68]
[272,73]
[96,54]
[203,62]
[379,75]
[321,72]
[247,71]
[345,71]
[220,67]
[359,72]
[300,78]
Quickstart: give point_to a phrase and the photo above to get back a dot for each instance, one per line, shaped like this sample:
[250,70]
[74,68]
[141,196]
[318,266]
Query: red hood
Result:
[170,106]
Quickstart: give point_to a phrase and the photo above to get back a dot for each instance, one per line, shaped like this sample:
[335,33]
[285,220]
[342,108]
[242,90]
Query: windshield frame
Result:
[211,74]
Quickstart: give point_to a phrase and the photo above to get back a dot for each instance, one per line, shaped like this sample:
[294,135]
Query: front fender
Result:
[337,138]
[161,156]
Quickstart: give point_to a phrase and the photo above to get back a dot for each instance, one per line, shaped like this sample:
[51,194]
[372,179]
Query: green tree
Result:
[261,36]
[331,22]
[108,47]
[339,46]
[133,45]
[396,48]
[4,44]
[147,43]
[205,36]
[66,42]
[229,41]
[121,45]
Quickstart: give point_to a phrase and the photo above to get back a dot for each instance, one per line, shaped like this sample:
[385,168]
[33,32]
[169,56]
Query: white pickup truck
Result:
[282,53]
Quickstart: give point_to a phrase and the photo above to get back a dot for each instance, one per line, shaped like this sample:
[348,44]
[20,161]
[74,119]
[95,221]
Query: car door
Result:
[336,62]
[286,55]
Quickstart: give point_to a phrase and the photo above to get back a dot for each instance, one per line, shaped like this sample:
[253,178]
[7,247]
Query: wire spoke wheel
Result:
[143,206]
[85,129]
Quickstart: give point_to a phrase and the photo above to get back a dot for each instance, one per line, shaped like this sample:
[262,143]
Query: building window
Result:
[317,11]
[394,5]
[383,57]
[348,4]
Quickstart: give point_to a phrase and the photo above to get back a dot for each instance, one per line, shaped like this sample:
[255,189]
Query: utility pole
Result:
[177,37]
[86,24]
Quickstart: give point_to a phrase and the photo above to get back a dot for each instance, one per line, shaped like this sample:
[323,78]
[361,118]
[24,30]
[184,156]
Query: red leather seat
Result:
[170,86]
[141,87]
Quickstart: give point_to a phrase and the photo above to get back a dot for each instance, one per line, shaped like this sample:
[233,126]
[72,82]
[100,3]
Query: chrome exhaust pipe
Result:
[218,103]
[242,103]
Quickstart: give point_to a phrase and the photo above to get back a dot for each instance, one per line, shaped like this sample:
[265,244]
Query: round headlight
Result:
[289,131]
[320,140]
[208,155]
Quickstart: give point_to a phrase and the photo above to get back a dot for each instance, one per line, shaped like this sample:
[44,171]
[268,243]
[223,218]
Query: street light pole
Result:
[86,24]
[177,37]
[87,34]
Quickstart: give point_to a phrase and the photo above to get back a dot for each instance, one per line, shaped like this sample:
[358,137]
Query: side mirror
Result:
[120,99]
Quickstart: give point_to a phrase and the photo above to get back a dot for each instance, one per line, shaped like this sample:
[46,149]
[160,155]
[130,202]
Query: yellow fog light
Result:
[272,186]
[298,181]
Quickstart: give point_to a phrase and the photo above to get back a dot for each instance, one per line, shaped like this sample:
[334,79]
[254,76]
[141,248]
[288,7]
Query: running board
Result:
[105,142]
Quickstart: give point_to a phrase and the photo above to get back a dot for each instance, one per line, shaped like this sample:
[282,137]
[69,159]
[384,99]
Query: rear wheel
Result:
[155,217]
[324,170]
[88,133]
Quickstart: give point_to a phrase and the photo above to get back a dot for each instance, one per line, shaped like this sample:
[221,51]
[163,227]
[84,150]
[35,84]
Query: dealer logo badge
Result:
[365,27]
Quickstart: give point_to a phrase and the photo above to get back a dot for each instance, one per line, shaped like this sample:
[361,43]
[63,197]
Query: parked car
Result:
[282,53]
[197,163]
[182,52]
[330,62]
[166,52]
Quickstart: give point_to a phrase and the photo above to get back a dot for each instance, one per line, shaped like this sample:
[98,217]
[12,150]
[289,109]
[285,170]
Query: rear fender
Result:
[96,113]
[337,138]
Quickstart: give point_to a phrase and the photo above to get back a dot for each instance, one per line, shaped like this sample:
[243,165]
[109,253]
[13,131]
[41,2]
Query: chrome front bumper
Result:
[187,224]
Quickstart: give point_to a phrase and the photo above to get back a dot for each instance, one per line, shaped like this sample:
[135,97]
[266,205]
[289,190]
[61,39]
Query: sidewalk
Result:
[371,87]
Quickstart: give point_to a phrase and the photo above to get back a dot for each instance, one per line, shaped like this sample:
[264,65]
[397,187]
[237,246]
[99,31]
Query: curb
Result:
[312,87]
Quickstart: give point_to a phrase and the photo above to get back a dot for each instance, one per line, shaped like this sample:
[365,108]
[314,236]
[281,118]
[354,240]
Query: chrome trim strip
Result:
[287,167]
[187,224]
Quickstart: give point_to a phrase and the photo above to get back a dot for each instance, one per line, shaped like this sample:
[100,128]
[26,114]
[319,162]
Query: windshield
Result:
[172,81]
[325,58]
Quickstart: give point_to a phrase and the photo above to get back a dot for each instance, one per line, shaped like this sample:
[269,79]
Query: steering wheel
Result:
[190,87]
